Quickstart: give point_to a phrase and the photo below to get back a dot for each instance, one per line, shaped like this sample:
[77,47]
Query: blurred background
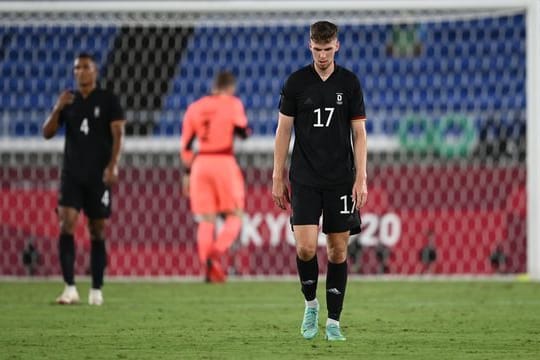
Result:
[446,106]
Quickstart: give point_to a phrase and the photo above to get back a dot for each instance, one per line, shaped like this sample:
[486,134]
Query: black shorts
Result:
[94,198]
[335,205]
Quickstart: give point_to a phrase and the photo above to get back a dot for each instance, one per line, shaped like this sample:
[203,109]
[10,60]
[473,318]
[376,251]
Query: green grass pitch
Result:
[261,320]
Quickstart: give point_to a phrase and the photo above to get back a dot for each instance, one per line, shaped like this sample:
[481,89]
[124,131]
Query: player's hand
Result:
[185,185]
[65,98]
[280,193]
[110,174]
[359,193]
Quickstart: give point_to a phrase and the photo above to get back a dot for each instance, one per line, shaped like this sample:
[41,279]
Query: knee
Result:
[208,218]
[238,213]
[235,216]
[67,225]
[306,252]
[96,231]
[337,254]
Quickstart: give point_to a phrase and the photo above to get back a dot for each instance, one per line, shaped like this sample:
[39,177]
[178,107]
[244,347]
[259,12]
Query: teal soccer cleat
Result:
[310,324]
[333,333]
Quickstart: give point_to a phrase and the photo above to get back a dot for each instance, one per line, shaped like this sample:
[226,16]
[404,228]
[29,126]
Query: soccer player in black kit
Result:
[324,103]
[94,123]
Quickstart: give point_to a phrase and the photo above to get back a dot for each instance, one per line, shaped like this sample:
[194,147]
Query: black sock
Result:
[309,273]
[336,282]
[98,261]
[66,250]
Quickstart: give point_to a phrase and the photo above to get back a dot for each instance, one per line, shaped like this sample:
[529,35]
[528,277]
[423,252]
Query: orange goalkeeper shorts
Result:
[216,185]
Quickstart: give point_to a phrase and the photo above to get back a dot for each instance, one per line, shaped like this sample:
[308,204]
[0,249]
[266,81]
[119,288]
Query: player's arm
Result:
[52,123]
[242,132]
[241,128]
[359,191]
[186,148]
[110,175]
[280,193]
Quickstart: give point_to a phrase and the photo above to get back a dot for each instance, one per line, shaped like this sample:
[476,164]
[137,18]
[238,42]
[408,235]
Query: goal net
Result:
[445,95]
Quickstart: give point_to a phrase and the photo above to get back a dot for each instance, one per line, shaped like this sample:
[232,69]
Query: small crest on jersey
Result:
[339,98]
[96,112]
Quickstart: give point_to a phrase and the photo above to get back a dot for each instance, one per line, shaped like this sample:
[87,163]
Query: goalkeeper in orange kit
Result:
[212,179]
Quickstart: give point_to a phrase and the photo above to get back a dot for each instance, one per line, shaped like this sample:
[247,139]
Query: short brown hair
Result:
[224,79]
[323,31]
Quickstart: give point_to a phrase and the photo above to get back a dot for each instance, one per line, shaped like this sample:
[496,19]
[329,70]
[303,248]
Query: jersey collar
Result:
[336,70]
[91,94]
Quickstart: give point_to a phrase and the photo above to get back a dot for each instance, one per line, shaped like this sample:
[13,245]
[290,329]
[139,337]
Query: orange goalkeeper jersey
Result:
[213,120]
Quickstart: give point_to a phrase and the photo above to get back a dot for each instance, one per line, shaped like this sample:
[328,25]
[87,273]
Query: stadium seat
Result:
[473,65]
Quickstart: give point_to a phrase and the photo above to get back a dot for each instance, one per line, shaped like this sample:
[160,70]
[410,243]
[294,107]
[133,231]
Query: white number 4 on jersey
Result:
[85,129]
[105,198]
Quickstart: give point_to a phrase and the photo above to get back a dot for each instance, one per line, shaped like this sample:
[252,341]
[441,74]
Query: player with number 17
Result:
[324,103]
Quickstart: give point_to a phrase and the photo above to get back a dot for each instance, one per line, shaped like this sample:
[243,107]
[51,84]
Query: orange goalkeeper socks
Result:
[205,240]
[228,234]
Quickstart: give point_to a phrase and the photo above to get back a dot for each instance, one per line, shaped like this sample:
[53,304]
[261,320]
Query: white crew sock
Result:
[312,303]
[332,321]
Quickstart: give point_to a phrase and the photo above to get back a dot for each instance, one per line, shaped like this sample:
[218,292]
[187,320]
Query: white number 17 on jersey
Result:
[319,123]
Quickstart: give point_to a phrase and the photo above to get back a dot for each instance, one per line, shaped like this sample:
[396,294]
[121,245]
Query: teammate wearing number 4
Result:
[215,185]
[94,123]
[324,103]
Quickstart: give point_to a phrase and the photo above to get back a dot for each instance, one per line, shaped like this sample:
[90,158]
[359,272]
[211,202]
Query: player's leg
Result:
[306,203]
[203,202]
[66,253]
[306,259]
[228,233]
[97,206]
[98,259]
[308,272]
[339,218]
[336,282]
[68,220]
[231,197]
[205,235]
[69,204]
[214,273]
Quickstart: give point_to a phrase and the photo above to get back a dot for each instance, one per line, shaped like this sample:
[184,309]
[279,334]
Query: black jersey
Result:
[323,111]
[88,144]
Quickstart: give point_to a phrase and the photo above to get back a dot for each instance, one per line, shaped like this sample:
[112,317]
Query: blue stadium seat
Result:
[37,65]
[464,66]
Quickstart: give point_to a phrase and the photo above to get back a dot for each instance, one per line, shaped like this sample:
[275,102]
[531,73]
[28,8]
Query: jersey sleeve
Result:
[287,102]
[62,117]
[357,109]
[240,118]
[117,113]
[187,138]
